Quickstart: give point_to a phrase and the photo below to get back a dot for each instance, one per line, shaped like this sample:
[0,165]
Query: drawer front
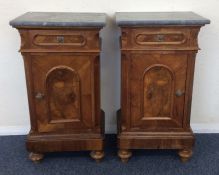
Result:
[58,40]
[157,90]
[159,38]
[64,92]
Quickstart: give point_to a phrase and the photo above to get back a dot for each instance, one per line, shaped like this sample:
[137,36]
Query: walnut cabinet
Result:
[158,53]
[62,65]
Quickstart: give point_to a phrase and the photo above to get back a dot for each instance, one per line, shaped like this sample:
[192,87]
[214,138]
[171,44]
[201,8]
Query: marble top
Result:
[59,19]
[160,18]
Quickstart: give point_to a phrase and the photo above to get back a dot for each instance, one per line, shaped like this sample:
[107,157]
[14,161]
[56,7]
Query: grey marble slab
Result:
[160,18]
[59,19]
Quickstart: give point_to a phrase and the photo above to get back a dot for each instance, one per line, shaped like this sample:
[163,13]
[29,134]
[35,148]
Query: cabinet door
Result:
[157,90]
[63,92]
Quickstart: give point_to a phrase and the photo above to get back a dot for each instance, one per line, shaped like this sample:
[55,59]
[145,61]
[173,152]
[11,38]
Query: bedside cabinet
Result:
[158,53]
[62,66]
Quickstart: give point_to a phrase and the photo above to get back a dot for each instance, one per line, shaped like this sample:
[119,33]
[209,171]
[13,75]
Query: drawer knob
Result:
[159,38]
[39,96]
[60,39]
[179,93]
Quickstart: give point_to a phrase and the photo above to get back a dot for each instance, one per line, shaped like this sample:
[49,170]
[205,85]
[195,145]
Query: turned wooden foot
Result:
[185,154]
[36,157]
[124,155]
[97,155]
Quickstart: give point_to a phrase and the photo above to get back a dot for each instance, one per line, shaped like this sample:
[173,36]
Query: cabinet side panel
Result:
[125,91]
[189,89]
[29,84]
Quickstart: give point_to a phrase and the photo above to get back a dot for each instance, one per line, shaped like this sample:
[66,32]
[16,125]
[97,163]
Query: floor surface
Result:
[205,161]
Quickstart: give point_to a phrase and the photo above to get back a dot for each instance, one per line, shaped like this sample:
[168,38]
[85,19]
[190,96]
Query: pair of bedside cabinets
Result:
[62,65]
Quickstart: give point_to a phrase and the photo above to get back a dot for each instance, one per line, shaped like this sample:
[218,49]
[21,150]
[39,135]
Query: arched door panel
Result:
[157,90]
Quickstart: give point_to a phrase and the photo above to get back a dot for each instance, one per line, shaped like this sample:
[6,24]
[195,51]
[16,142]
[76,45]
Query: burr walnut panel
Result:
[157,98]
[160,38]
[51,39]
[63,90]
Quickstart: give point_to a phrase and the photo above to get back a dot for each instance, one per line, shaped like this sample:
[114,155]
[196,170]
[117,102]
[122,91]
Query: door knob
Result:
[39,96]
[179,92]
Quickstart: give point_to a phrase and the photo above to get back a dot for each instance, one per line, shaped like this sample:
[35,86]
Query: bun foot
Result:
[97,155]
[36,157]
[124,155]
[185,154]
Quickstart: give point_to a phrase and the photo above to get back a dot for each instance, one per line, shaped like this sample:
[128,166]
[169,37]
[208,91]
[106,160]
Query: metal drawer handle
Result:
[39,96]
[159,38]
[179,93]
[60,39]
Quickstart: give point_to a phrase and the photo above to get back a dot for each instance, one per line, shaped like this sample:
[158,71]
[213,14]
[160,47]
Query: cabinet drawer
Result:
[58,40]
[159,38]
